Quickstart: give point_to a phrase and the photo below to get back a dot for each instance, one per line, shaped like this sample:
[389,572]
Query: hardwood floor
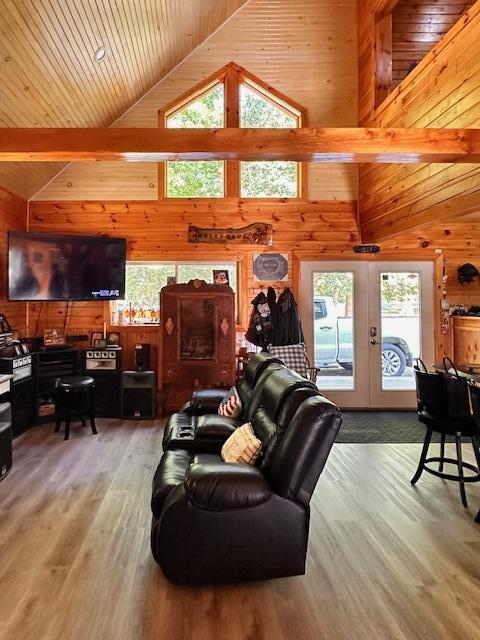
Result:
[386,561]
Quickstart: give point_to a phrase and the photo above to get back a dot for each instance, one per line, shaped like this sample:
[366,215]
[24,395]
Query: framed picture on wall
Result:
[270,267]
[113,339]
[96,335]
[220,276]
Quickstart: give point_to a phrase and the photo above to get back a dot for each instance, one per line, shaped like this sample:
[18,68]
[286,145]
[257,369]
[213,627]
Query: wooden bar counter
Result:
[466,339]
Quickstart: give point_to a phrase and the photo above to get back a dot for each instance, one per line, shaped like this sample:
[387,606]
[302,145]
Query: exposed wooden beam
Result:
[405,220]
[368,145]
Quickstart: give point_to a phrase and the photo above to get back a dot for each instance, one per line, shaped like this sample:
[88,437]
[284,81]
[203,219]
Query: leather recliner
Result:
[205,401]
[207,433]
[215,522]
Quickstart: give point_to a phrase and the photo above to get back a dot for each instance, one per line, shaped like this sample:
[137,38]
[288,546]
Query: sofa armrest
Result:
[204,401]
[222,486]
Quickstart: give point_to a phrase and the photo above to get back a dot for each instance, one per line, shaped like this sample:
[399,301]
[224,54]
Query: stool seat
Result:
[75,382]
[75,398]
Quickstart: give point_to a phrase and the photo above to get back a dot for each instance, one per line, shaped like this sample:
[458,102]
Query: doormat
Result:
[382,426]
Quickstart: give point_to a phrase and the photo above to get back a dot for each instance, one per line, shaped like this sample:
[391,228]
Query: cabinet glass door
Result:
[197,329]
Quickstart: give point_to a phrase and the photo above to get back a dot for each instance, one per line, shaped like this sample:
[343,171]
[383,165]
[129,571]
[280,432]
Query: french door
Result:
[364,324]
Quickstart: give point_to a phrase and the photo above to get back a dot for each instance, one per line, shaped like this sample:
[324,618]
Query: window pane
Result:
[206,112]
[401,324]
[257,111]
[276,179]
[333,329]
[204,271]
[202,179]
[142,286]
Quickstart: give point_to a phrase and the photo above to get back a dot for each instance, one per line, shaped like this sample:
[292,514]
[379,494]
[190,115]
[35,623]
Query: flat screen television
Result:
[57,267]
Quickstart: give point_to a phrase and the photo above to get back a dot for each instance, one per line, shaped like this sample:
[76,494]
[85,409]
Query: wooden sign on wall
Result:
[256,233]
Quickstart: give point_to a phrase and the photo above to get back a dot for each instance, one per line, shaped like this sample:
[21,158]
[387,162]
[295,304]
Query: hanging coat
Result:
[289,327]
[260,327]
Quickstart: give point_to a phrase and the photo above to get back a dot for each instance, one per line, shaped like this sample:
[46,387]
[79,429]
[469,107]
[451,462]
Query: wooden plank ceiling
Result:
[49,76]
[417,25]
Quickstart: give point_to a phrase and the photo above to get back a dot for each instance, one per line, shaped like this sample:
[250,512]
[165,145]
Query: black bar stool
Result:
[475,398]
[443,405]
[75,399]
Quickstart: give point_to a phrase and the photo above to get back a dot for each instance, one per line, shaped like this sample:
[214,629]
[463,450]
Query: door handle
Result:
[373,341]
[326,328]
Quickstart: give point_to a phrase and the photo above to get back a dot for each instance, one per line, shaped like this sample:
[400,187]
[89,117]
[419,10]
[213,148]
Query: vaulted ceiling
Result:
[49,76]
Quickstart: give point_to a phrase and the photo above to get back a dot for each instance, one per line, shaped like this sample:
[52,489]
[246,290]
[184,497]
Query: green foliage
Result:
[268,179]
[334,284]
[143,284]
[399,291]
[204,113]
[257,112]
[201,179]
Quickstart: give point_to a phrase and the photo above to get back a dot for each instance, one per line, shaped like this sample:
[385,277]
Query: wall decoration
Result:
[256,233]
[113,339]
[270,267]
[220,276]
[96,335]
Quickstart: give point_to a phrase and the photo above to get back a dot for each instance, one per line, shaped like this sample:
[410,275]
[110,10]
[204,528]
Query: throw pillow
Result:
[242,446]
[231,405]
[293,355]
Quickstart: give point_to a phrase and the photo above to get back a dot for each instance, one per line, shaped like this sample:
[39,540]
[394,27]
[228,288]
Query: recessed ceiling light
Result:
[99,54]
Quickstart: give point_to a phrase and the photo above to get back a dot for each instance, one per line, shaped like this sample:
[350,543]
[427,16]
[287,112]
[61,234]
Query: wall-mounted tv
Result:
[57,267]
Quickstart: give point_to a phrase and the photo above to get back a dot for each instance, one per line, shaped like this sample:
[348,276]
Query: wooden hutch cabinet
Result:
[197,340]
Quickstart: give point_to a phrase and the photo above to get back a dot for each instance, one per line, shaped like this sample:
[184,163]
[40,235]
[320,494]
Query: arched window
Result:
[232,97]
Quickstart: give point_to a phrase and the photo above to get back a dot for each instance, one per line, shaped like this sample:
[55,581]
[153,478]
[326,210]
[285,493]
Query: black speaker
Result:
[142,356]
[5,439]
[23,397]
[138,395]
[107,394]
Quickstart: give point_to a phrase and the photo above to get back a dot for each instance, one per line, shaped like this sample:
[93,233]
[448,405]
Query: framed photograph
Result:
[96,335]
[220,276]
[270,267]
[99,343]
[53,337]
[113,339]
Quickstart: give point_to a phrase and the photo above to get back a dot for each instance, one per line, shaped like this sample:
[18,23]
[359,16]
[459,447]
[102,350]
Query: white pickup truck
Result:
[333,336]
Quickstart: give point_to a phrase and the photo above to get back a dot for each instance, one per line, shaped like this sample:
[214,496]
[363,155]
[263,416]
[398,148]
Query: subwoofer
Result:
[107,394]
[138,395]
[23,398]
[5,439]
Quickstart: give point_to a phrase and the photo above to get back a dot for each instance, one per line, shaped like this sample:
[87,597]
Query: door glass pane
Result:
[333,329]
[400,328]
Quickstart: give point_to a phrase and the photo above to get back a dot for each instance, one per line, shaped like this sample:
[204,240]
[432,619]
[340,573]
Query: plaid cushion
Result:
[231,405]
[242,446]
[293,355]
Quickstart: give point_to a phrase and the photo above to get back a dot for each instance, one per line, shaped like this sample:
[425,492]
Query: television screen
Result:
[53,267]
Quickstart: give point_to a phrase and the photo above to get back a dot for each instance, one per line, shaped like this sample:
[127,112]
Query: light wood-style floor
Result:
[386,561]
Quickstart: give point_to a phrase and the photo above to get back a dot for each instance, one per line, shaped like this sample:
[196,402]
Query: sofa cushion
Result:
[170,473]
[223,486]
[242,446]
[231,405]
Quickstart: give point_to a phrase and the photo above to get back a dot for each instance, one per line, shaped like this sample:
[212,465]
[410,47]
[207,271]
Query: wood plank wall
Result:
[305,49]
[13,217]
[308,231]
[417,25]
[442,91]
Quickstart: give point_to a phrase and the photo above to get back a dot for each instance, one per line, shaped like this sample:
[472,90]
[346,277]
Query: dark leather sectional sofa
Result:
[215,522]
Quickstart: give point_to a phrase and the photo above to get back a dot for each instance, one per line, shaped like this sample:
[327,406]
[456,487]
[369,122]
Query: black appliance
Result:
[142,356]
[104,365]
[17,362]
[138,395]
[60,267]
[52,364]
[23,396]
[5,439]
